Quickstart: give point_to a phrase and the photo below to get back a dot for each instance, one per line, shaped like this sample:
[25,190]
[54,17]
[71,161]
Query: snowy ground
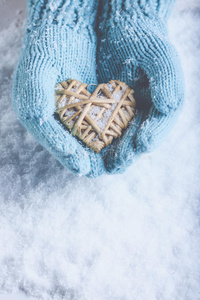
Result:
[134,236]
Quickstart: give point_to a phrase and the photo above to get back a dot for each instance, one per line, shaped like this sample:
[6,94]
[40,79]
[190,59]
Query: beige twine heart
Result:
[95,118]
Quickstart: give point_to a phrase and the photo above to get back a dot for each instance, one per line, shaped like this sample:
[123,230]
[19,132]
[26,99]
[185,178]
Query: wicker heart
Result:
[95,118]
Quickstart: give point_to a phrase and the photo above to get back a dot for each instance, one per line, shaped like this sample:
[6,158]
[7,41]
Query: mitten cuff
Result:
[116,8]
[73,13]
[158,7]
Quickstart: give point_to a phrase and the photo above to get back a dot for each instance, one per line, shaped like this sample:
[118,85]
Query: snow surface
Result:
[134,236]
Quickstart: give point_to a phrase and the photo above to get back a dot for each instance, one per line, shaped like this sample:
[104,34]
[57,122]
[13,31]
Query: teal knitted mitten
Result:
[134,47]
[60,43]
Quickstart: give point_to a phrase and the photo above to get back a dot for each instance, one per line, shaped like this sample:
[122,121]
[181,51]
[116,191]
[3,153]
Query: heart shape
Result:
[95,118]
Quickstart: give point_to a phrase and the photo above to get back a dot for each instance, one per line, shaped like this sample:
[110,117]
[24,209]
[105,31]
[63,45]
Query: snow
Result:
[93,112]
[110,87]
[130,236]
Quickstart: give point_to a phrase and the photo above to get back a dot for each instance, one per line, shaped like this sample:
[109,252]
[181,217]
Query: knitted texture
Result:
[60,43]
[134,47]
[127,8]
[73,13]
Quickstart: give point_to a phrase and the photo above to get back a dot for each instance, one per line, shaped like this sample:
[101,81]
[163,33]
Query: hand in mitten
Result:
[59,44]
[134,47]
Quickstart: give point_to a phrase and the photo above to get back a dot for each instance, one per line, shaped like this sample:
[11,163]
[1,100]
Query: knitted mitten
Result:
[134,47]
[59,44]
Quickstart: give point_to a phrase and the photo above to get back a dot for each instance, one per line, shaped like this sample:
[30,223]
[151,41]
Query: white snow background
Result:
[134,236]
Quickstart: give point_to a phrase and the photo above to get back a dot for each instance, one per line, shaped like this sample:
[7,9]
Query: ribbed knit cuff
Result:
[119,8]
[159,7]
[72,13]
